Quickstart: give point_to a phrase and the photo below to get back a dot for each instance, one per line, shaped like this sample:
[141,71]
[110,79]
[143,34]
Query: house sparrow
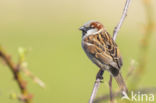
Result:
[102,50]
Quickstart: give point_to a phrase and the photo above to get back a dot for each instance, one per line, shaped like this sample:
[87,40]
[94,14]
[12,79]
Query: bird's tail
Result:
[120,81]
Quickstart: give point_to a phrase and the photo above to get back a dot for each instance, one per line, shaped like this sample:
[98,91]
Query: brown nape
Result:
[96,25]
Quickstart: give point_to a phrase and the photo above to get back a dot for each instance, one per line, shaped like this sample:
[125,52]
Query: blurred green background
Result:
[50,29]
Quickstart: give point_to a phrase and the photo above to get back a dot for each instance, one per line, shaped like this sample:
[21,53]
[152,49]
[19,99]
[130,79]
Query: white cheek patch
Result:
[92,31]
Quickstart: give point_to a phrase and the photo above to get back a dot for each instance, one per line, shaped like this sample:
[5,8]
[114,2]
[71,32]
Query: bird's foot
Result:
[100,75]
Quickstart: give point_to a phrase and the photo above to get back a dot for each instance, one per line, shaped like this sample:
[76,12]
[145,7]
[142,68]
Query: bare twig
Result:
[23,67]
[124,14]
[15,69]
[117,28]
[111,91]
[33,77]
[117,94]
[96,85]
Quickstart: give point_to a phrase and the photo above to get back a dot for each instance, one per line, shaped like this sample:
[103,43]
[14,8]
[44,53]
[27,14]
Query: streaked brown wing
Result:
[104,49]
[112,49]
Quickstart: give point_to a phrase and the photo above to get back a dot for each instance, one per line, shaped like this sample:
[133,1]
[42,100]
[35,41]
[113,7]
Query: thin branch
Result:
[124,14]
[15,69]
[95,89]
[117,94]
[110,89]
[33,77]
[96,85]
[23,67]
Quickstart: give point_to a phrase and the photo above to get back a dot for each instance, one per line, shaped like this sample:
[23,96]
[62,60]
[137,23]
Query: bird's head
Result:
[91,28]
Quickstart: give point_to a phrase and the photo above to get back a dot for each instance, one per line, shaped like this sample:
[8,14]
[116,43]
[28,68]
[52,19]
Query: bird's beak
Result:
[82,28]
